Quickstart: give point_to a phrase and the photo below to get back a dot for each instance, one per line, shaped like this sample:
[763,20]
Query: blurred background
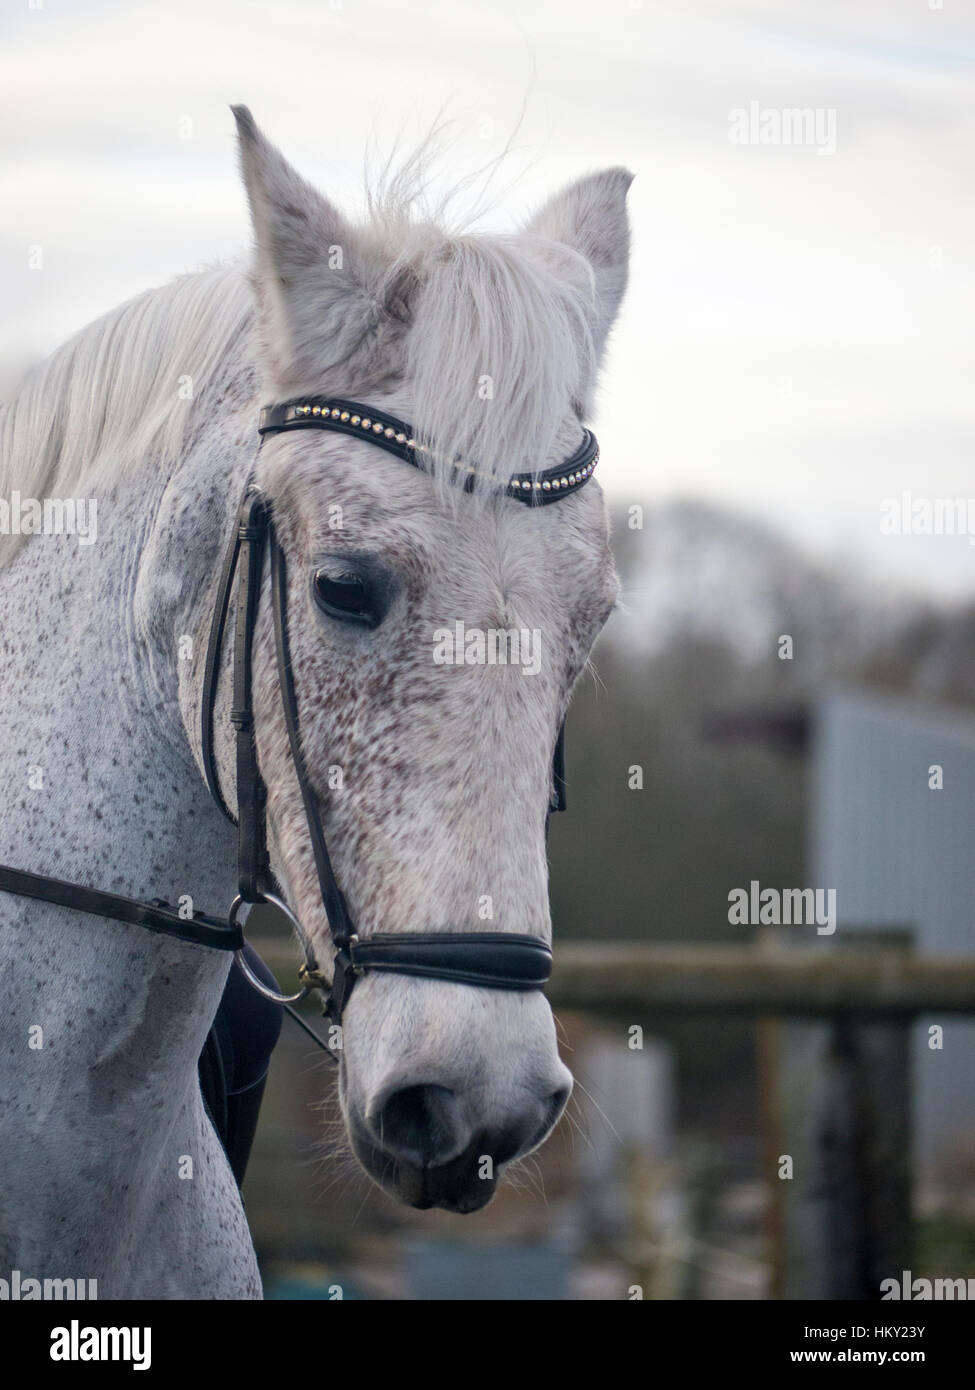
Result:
[786,418]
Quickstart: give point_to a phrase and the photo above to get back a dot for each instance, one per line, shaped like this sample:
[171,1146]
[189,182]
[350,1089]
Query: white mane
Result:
[500,354]
[111,394]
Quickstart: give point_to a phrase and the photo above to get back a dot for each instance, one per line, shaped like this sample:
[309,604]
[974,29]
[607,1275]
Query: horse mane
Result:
[501,350]
[500,354]
[111,393]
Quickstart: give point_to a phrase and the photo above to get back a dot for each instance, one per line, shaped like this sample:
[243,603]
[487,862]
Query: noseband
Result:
[491,960]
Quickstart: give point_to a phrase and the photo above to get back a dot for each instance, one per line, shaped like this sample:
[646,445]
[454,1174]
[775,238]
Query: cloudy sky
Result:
[797,342]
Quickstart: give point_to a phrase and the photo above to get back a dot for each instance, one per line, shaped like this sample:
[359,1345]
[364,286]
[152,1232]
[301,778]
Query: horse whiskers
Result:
[599,1109]
[576,1128]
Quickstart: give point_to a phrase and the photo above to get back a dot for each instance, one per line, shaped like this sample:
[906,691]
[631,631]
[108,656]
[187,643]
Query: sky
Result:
[796,342]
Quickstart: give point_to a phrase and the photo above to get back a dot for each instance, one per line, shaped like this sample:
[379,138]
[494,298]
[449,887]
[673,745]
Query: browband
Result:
[396,437]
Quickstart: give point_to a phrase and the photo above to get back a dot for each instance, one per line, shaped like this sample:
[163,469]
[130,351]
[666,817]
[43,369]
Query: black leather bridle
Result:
[493,960]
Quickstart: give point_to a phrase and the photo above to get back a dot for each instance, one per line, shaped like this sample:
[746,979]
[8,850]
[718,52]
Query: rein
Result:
[489,960]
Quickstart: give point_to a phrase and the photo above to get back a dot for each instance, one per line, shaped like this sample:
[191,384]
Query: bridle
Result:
[490,960]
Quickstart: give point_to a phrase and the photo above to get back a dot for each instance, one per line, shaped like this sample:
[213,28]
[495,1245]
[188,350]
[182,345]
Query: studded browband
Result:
[396,437]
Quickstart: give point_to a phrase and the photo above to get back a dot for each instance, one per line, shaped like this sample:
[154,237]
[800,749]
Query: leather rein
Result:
[490,960]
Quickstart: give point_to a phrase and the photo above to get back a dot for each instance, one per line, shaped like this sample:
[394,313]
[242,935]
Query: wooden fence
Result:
[833,1034]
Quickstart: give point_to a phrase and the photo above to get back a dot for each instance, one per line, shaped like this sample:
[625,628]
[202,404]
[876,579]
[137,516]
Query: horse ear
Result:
[590,217]
[310,297]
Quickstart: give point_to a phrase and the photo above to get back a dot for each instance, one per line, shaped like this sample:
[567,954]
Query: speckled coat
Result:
[109,1168]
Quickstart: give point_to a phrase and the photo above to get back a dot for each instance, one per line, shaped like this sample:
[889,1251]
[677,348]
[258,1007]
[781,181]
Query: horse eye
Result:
[346,597]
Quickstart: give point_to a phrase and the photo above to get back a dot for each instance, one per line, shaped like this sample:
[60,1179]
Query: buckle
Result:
[312,978]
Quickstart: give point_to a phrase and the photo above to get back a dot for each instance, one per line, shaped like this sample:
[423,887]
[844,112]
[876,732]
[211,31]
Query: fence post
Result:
[844,1094]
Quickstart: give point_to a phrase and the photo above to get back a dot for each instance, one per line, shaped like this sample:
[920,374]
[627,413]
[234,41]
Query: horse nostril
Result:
[557,1101]
[422,1124]
[552,1111]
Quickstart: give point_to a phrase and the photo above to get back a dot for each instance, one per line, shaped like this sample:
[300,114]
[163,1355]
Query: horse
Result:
[432,777]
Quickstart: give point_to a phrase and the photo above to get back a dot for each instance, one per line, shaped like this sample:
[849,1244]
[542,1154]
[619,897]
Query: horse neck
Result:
[99,784]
